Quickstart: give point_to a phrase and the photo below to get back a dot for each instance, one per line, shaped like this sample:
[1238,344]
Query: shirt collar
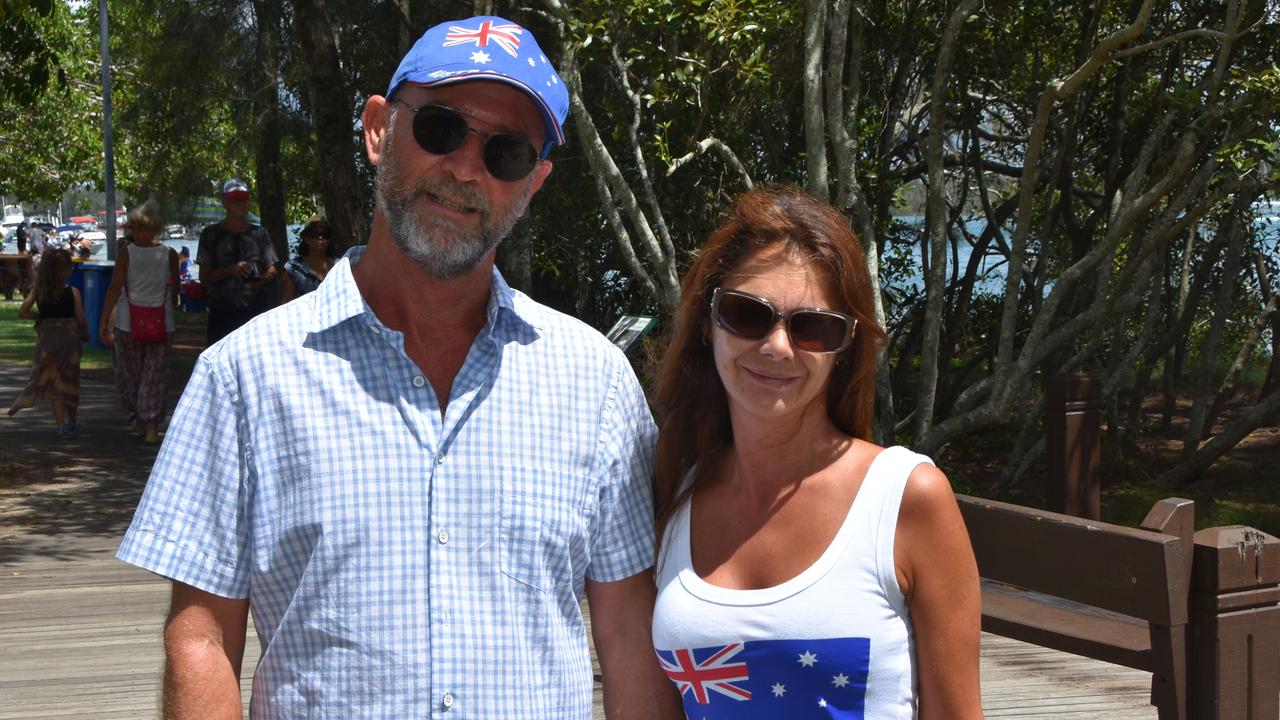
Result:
[511,315]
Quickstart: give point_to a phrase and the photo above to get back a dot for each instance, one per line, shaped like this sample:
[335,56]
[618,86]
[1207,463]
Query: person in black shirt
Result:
[60,328]
[238,265]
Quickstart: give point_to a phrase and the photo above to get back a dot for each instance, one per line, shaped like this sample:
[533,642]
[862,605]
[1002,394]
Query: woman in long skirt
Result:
[60,328]
[145,278]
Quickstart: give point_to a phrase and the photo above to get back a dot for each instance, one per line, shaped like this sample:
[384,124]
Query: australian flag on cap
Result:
[488,48]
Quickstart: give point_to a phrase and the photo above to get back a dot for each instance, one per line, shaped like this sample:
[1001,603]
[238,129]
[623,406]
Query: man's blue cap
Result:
[488,48]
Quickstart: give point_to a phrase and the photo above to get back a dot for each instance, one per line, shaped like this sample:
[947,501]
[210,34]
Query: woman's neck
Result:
[768,457]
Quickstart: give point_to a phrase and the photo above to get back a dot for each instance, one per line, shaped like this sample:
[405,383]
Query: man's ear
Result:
[540,173]
[377,111]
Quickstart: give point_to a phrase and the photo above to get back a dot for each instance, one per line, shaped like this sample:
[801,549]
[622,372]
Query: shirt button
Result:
[375,330]
[448,700]
[419,381]
[440,459]
[443,536]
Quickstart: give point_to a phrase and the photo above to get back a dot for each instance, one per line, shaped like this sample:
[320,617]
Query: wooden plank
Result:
[93,650]
[1108,566]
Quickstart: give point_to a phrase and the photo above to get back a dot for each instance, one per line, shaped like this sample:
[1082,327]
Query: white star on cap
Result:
[544,58]
[554,81]
[779,689]
[531,62]
[480,57]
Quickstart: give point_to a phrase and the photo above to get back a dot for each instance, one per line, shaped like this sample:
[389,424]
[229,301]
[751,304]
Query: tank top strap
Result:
[876,508]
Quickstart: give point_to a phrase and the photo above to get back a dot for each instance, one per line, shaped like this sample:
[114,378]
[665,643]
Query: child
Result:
[60,328]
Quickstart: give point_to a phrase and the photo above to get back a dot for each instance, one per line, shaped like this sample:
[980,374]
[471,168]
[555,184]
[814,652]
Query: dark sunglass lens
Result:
[439,130]
[817,332]
[745,316]
[509,157]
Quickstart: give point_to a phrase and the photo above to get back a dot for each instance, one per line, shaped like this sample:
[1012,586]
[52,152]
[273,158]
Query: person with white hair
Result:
[143,293]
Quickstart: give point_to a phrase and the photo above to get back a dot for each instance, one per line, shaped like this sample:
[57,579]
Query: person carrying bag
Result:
[147,323]
[141,296]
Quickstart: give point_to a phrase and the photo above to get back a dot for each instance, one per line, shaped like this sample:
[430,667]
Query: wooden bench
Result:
[15,274]
[1089,588]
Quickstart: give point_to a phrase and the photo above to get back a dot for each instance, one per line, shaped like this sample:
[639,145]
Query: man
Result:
[237,264]
[20,234]
[413,474]
[36,239]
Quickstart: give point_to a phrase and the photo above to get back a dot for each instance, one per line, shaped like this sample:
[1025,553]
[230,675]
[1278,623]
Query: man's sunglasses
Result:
[816,330]
[440,130]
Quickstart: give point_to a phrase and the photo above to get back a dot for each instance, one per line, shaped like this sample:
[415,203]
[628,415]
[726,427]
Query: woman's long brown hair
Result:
[689,395]
[50,280]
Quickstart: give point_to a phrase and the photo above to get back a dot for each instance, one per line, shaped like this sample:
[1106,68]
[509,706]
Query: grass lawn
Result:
[18,340]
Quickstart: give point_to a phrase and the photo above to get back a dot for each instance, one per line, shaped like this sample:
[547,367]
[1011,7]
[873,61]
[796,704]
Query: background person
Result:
[146,274]
[381,467]
[316,253]
[184,264]
[838,571]
[60,328]
[237,265]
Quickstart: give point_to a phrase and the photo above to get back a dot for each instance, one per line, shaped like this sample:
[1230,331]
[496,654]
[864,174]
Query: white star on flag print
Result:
[824,678]
[480,57]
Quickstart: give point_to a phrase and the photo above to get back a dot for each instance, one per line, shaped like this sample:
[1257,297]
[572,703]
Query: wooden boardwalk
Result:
[80,638]
[80,632]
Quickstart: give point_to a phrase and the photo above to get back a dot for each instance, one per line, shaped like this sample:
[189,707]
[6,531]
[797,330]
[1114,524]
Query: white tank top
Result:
[835,640]
[147,283]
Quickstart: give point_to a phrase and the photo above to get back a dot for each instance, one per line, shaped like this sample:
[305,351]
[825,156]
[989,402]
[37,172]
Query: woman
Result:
[145,281]
[316,253]
[60,328]
[800,566]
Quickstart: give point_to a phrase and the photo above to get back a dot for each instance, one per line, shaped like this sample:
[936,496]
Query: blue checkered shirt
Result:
[401,564]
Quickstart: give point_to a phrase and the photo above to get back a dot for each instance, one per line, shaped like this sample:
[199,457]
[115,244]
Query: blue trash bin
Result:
[92,279]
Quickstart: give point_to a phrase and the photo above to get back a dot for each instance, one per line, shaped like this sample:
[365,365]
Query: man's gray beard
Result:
[433,242]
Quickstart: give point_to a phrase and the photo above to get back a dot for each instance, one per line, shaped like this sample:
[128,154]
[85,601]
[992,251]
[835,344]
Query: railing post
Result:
[1073,412]
[1235,625]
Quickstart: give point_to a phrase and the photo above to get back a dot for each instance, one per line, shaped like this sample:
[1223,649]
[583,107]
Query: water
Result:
[177,245]
[901,267]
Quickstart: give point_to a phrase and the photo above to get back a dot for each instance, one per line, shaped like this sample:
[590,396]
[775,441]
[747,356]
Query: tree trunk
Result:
[936,217]
[1263,412]
[266,101]
[815,136]
[1221,309]
[344,196]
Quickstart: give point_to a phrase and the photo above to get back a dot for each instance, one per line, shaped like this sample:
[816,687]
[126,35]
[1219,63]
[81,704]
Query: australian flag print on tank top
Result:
[791,679]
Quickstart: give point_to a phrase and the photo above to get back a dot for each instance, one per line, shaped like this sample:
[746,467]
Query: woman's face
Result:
[769,378]
[143,234]
[317,241]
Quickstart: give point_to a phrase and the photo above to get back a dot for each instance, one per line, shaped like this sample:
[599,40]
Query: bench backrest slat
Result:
[1139,573]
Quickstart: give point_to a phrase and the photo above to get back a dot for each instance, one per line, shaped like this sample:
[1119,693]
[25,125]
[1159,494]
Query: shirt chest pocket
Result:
[544,527]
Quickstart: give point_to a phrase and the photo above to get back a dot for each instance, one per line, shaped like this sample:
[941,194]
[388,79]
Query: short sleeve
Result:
[204,249]
[268,250]
[191,524]
[622,543]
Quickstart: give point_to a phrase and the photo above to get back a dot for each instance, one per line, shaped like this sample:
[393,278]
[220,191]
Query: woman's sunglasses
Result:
[816,330]
[440,130]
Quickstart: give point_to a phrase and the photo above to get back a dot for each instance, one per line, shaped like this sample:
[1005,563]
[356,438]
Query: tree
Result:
[49,97]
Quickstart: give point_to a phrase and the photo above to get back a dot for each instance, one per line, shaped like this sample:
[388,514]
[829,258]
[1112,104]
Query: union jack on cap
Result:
[488,48]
